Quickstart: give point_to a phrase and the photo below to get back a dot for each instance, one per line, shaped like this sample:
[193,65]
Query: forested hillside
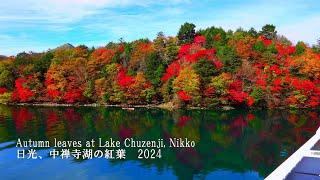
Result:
[205,68]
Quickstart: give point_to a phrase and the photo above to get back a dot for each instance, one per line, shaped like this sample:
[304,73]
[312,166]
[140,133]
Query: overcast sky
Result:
[36,25]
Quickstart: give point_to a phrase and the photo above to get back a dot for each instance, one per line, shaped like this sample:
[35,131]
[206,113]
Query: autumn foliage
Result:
[183,95]
[22,93]
[3,90]
[124,80]
[206,68]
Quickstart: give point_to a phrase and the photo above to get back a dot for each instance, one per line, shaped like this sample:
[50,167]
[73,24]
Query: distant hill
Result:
[65,46]
[2,57]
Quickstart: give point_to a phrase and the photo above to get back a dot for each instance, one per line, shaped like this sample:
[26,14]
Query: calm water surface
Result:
[229,145]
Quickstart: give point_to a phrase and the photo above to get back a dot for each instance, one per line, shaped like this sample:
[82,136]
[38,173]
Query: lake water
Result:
[228,145]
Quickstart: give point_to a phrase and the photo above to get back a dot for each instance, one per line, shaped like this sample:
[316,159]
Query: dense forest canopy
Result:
[206,68]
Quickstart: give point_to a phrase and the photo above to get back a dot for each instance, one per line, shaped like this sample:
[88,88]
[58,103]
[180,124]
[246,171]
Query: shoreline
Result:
[166,106]
[82,105]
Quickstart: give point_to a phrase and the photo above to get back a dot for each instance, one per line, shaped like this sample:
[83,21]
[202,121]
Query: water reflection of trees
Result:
[235,140]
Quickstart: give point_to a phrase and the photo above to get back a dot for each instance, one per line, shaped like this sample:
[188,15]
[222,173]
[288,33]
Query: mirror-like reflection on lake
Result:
[228,145]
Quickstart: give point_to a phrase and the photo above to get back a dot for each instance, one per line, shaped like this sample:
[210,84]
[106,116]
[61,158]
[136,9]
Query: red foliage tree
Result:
[261,82]
[209,92]
[53,93]
[124,80]
[284,50]
[313,101]
[3,90]
[21,92]
[276,85]
[218,64]
[275,69]
[189,54]
[304,85]
[236,92]
[184,96]
[236,85]
[73,95]
[266,41]
[172,70]
[238,96]
[199,40]
[184,50]
[250,101]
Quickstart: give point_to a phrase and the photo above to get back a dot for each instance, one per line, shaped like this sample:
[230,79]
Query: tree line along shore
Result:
[205,68]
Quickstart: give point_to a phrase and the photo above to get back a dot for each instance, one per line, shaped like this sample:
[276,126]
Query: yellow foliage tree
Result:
[188,81]
[308,63]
